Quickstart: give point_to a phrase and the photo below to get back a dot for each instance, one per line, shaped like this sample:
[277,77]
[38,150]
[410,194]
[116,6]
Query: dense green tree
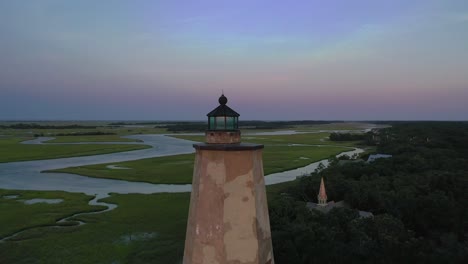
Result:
[419,198]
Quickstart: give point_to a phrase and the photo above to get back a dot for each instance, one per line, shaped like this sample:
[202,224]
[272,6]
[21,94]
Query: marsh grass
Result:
[178,169]
[278,156]
[114,236]
[164,216]
[16,215]
[93,138]
[12,150]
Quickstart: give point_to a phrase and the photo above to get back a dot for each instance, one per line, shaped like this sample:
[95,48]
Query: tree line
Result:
[202,126]
[37,126]
[347,136]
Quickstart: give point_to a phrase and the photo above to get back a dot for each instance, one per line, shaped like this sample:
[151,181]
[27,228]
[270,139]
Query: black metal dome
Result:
[223,109]
[223,100]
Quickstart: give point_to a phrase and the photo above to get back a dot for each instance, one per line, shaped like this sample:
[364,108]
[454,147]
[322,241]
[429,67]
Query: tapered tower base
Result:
[228,218]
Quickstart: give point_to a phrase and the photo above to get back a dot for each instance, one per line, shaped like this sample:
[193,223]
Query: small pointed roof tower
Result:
[322,196]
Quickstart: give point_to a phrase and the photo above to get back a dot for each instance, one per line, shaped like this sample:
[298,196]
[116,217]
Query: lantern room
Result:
[223,118]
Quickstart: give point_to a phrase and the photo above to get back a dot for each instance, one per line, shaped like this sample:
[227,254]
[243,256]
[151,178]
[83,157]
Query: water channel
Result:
[26,175]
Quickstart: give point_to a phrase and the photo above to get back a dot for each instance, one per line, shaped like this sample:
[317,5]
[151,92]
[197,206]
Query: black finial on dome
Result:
[222,100]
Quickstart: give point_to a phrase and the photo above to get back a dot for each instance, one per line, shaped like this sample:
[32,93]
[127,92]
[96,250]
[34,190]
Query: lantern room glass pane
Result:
[212,123]
[223,123]
[230,123]
[220,123]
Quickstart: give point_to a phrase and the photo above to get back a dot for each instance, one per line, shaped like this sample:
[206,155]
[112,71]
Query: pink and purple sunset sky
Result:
[275,60]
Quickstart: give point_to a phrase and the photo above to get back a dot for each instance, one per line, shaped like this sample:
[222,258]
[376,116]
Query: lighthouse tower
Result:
[228,216]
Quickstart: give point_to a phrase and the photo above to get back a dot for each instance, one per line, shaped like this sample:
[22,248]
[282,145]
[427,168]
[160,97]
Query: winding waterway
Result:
[26,175]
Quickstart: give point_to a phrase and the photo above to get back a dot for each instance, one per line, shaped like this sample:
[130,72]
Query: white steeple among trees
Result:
[322,195]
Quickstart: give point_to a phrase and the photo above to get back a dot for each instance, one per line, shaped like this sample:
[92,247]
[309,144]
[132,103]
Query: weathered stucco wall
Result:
[228,217]
[222,137]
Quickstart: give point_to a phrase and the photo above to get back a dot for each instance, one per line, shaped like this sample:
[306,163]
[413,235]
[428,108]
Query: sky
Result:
[274,60]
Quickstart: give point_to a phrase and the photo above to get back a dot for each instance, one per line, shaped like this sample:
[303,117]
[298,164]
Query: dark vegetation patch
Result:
[419,199]
[347,136]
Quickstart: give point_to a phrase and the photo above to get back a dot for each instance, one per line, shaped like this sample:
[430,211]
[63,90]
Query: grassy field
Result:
[278,156]
[335,126]
[16,215]
[142,229]
[176,169]
[12,150]
[98,138]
